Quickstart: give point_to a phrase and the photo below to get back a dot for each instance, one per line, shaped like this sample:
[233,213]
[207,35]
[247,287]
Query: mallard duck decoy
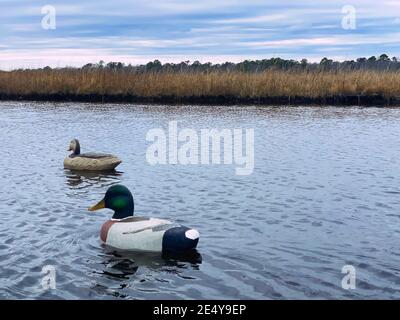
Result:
[127,232]
[89,161]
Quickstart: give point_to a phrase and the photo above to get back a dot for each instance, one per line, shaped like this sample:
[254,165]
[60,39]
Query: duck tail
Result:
[180,239]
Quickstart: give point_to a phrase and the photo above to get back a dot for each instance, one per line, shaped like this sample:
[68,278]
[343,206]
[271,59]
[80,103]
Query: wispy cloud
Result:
[255,19]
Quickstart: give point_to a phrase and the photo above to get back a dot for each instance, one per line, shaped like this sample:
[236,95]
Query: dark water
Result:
[325,193]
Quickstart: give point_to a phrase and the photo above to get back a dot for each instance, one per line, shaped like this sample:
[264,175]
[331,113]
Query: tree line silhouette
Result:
[380,63]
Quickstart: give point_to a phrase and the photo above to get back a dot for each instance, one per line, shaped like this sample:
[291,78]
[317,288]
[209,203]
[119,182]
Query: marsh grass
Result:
[270,83]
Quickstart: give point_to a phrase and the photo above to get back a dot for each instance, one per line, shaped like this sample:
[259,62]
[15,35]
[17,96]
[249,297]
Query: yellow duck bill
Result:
[100,205]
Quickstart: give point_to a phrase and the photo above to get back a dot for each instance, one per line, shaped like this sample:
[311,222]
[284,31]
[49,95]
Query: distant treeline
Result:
[381,63]
[365,81]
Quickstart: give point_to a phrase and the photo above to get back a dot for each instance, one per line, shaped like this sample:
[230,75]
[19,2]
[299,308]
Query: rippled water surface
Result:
[325,193]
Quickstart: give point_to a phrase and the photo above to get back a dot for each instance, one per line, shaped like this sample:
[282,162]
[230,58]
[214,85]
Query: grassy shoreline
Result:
[270,87]
[340,100]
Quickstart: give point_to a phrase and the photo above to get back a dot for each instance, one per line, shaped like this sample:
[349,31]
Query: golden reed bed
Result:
[271,83]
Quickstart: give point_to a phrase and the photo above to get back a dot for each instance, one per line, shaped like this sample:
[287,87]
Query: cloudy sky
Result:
[136,31]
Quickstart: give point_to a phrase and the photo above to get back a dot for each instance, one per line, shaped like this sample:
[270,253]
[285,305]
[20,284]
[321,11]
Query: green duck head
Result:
[119,199]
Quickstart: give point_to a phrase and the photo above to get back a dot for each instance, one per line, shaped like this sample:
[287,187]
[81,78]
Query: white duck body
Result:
[89,161]
[148,234]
